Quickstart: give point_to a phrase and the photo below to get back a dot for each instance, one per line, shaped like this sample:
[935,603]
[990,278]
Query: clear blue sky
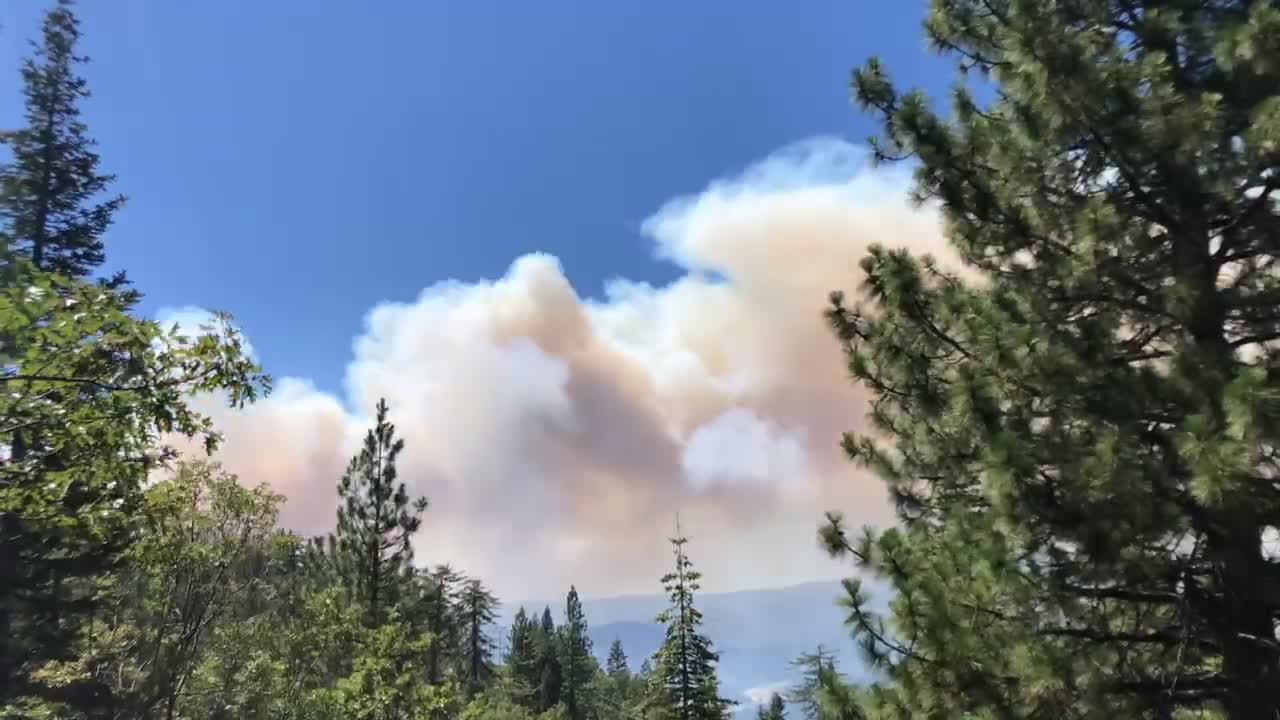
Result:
[296,162]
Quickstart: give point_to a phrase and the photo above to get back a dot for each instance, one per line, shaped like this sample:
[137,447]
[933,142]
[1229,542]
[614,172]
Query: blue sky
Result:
[582,248]
[295,163]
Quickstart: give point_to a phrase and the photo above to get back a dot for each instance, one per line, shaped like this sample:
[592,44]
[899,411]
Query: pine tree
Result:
[549,664]
[48,192]
[1079,431]
[687,685]
[371,549]
[807,692]
[442,621]
[477,610]
[523,659]
[617,688]
[616,664]
[776,709]
[577,665]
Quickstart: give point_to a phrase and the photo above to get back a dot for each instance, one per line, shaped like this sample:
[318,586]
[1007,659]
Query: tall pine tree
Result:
[51,194]
[49,223]
[441,621]
[616,664]
[577,665]
[775,709]
[1081,441]
[371,550]
[807,693]
[523,660]
[687,685]
[477,608]
[549,663]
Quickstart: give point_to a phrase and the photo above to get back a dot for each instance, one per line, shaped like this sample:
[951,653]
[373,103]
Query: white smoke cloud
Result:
[762,694]
[193,322]
[558,436]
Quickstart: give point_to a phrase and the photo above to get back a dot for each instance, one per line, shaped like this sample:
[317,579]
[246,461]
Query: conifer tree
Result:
[616,664]
[51,200]
[687,685]
[807,693]
[477,608]
[371,549]
[776,709]
[523,659]
[619,683]
[577,665]
[442,622]
[549,682]
[1080,430]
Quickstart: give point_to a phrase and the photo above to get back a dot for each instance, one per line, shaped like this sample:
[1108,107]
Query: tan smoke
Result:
[557,437]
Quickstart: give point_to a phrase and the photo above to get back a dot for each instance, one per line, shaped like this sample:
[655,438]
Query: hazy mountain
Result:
[758,632]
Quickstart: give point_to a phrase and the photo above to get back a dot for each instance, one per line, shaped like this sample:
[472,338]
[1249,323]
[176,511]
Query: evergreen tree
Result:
[549,664]
[577,665]
[687,685]
[50,192]
[615,690]
[1079,431]
[442,622]
[776,709]
[477,610]
[371,549]
[616,664]
[807,693]
[523,659]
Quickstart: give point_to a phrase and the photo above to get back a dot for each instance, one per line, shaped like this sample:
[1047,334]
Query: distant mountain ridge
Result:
[758,632]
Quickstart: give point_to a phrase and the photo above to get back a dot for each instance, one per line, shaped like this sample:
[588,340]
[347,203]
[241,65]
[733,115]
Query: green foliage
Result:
[685,683]
[523,659]
[549,675]
[372,551]
[1079,429]
[616,665]
[440,610]
[495,706]
[198,556]
[776,709]
[129,592]
[90,395]
[48,191]
[477,610]
[384,682]
[806,694]
[577,664]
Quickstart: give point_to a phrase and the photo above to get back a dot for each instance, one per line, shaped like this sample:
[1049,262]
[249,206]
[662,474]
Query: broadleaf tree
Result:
[91,402]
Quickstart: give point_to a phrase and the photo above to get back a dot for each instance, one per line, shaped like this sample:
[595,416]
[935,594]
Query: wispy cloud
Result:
[557,436]
[762,694]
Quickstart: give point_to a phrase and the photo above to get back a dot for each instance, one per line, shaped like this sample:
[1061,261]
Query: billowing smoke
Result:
[557,437]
